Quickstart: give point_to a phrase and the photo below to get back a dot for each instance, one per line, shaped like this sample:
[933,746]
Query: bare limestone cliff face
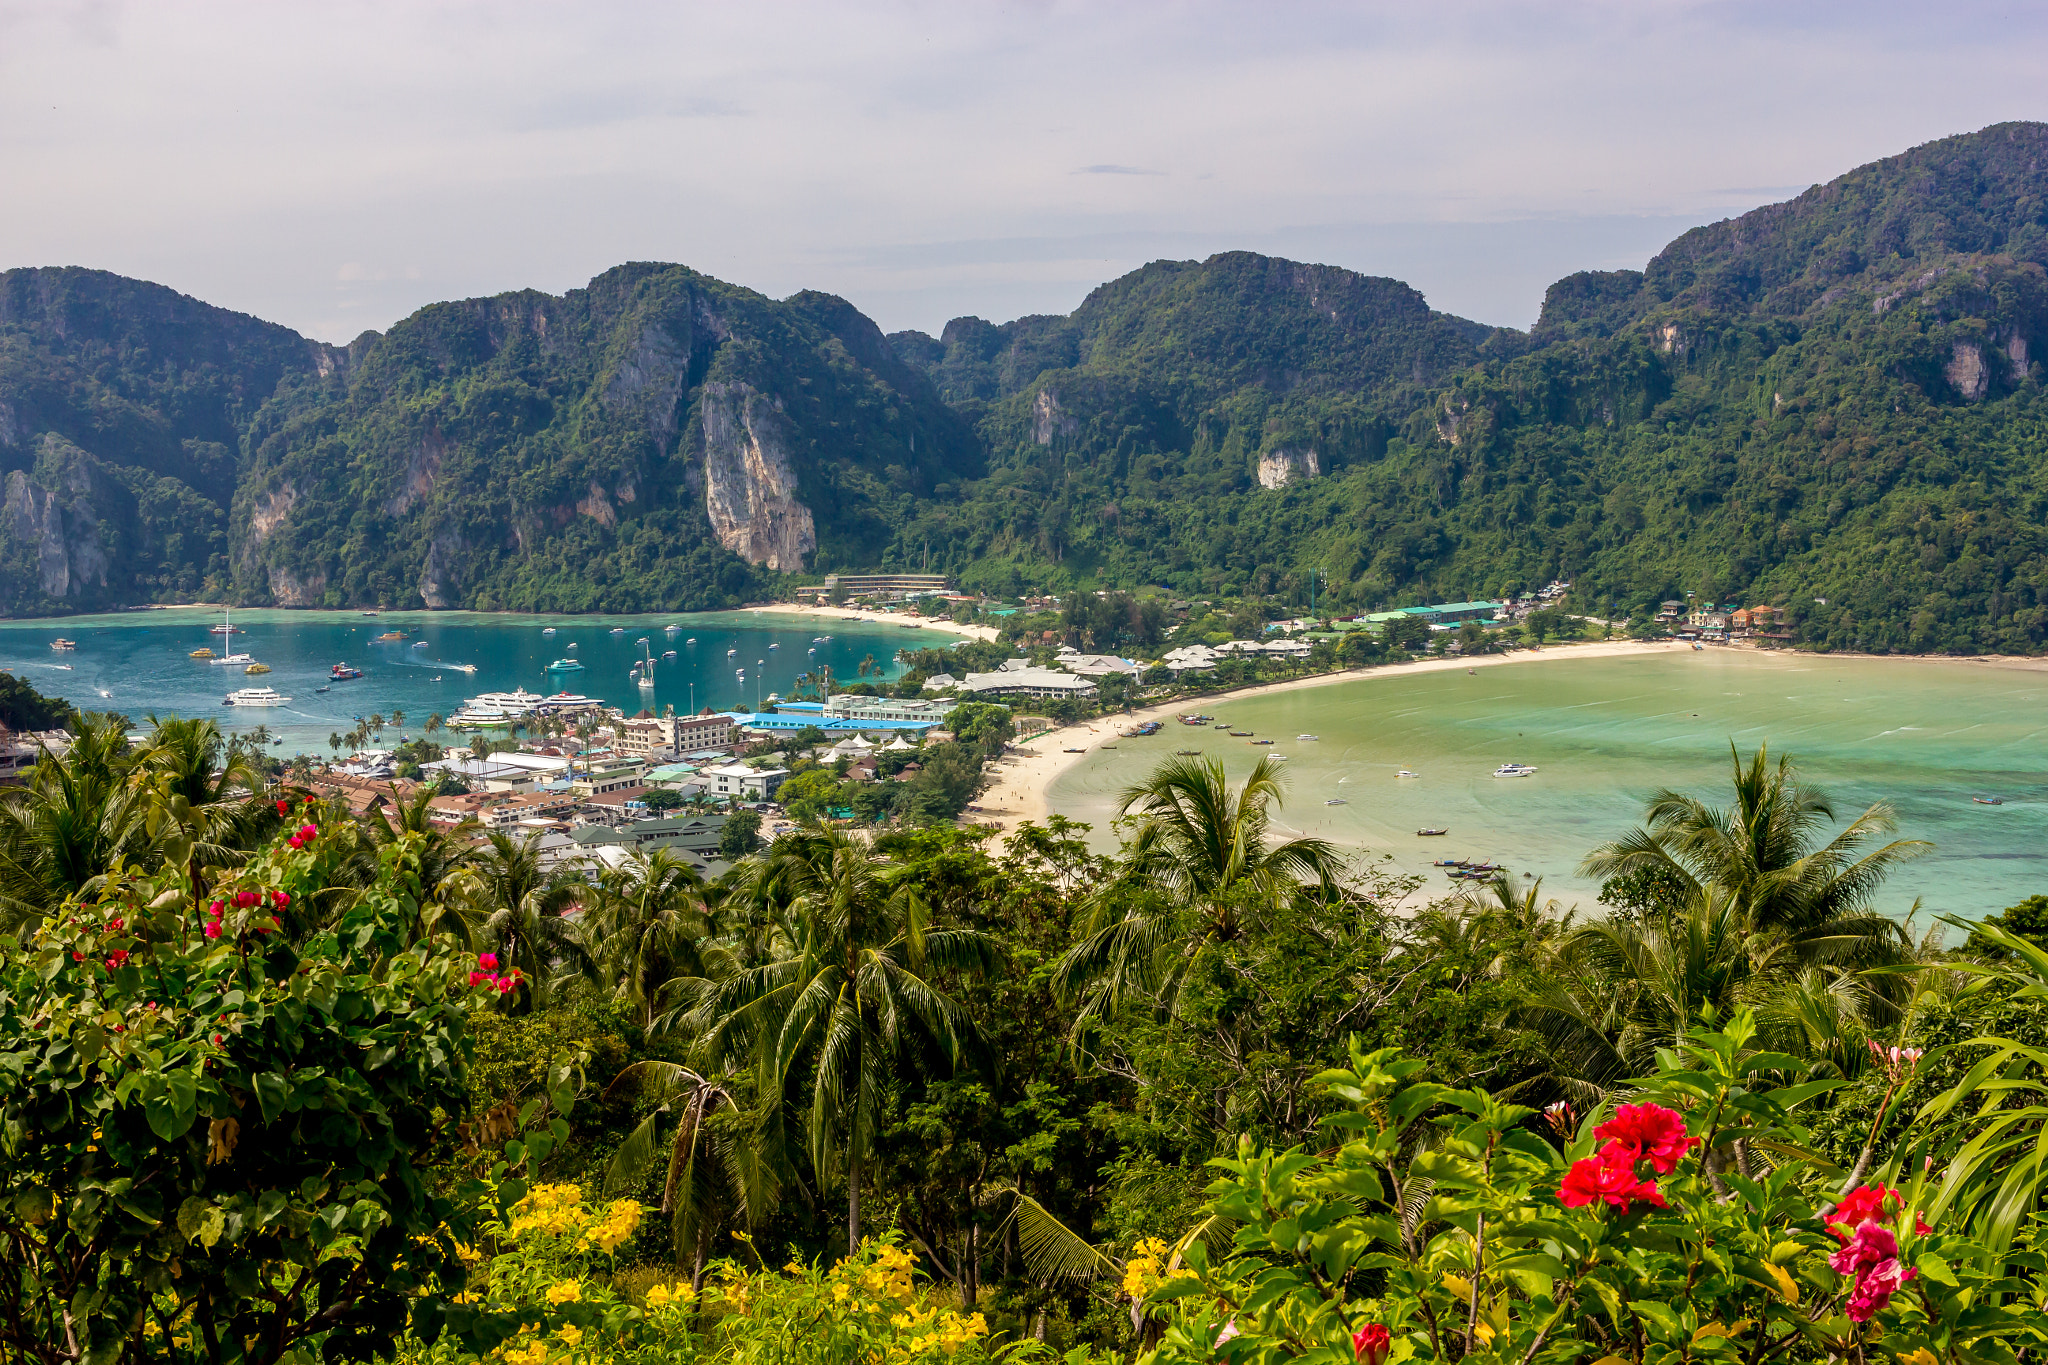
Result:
[438,585]
[1278,468]
[57,520]
[268,511]
[648,381]
[749,484]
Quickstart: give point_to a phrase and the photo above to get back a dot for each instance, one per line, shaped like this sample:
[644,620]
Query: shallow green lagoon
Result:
[138,662]
[1925,735]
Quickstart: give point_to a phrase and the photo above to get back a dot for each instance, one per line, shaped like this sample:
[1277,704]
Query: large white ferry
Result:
[254,696]
[494,710]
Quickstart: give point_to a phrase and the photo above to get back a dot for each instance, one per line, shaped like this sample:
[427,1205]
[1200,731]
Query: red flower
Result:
[1872,1255]
[78,957]
[284,808]
[309,831]
[216,909]
[1371,1342]
[1649,1132]
[213,929]
[216,1040]
[296,842]
[1864,1204]
[117,959]
[475,977]
[280,899]
[505,985]
[1609,1177]
[115,925]
[245,899]
[487,961]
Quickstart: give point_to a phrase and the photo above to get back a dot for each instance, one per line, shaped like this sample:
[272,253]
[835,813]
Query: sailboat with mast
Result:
[643,672]
[226,630]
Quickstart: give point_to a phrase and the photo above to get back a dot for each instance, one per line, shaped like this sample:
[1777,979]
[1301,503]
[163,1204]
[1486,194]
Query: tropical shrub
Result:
[213,1140]
[1692,1223]
[552,1273]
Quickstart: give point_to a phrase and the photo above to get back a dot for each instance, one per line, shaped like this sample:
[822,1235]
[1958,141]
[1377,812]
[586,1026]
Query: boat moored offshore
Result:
[254,696]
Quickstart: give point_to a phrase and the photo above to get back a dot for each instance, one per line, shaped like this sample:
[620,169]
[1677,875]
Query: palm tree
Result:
[208,794]
[711,1177]
[843,997]
[479,748]
[1198,870]
[334,742]
[397,719]
[526,923]
[75,819]
[452,893]
[654,932]
[1762,853]
[434,722]
[1764,915]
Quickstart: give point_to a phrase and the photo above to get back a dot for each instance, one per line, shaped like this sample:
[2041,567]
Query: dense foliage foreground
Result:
[279,1086]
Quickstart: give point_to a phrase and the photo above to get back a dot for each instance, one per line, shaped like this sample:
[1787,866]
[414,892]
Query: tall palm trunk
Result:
[853,1199]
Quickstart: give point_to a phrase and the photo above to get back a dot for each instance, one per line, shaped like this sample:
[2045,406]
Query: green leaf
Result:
[271,1094]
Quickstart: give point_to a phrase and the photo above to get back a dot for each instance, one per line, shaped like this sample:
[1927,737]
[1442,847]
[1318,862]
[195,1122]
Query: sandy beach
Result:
[880,618]
[1021,778]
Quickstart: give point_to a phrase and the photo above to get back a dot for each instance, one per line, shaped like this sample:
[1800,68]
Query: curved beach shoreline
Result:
[1023,777]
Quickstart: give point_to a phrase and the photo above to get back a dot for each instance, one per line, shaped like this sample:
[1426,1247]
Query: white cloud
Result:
[335,166]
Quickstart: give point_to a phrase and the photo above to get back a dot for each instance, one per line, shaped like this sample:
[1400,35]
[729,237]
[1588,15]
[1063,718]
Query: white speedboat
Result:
[1308,736]
[1405,773]
[1513,770]
[547,630]
[254,696]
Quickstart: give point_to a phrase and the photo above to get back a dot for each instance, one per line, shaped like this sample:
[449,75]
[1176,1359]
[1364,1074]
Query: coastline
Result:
[878,618]
[1024,775]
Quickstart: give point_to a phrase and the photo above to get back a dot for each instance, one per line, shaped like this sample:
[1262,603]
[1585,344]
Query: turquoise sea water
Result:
[1925,735]
[137,662]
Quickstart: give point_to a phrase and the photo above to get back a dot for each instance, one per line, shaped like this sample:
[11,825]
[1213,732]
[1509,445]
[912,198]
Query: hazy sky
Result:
[334,166]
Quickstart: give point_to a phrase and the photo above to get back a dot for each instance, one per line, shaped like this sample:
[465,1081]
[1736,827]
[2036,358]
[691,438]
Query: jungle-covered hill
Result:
[1838,398]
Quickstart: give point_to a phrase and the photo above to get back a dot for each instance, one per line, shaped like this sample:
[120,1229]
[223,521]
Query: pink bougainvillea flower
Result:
[1650,1133]
[487,961]
[309,831]
[213,929]
[475,977]
[1609,1177]
[216,909]
[117,959]
[1371,1342]
[505,985]
[284,808]
[280,899]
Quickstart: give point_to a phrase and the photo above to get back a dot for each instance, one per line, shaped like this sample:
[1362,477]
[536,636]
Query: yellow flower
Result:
[1145,1268]
[662,1295]
[570,1333]
[565,1291]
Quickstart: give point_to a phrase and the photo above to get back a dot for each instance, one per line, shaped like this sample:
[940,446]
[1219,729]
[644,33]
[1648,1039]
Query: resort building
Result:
[737,782]
[688,833]
[1097,665]
[1017,678]
[852,706]
[876,585]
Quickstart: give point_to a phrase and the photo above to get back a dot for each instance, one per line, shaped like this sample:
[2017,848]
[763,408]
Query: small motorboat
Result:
[1989,800]
[547,630]
[1242,734]
[672,628]
[616,630]
[570,645]
[1431,833]
[320,689]
[668,654]
[342,673]
[1073,751]
[1189,753]
[62,645]
[1405,773]
[257,668]
[1449,862]
[1308,736]
[774,646]
[1513,770]
[566,666]
[1257,742]
[691,641]
[1336,801]
[419,644]
[730,652]
[202,653]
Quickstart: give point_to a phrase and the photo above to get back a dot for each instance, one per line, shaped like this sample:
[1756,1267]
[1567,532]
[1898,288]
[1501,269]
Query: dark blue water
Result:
[138,663]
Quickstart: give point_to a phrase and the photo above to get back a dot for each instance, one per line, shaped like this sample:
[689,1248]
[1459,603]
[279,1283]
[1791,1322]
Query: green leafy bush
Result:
[1693,1224]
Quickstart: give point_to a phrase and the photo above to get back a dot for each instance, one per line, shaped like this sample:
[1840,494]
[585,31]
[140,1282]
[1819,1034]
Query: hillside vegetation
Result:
[1831,404]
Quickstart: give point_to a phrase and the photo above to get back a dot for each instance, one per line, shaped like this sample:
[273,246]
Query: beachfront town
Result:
[592,783]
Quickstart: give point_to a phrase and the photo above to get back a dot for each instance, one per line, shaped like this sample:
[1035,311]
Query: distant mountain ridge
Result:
[1836,397]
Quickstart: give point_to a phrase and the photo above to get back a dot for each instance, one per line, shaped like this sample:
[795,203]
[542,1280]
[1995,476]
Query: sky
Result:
[335,166]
